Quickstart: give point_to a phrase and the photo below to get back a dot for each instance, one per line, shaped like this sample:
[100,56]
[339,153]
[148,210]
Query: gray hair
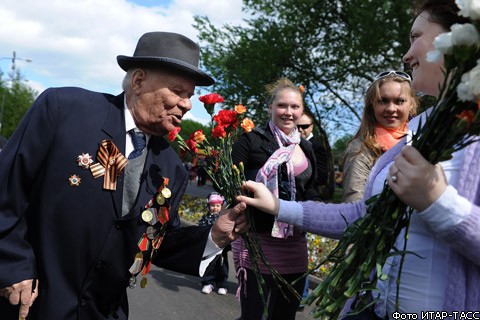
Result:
[127,79]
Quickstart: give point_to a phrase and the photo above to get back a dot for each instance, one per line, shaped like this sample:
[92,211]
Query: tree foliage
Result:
[334,48]
[16,98]
[190,126]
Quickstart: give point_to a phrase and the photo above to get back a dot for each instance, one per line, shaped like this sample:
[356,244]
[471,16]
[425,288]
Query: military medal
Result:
[84,160]
[163,215]
[157,241]
[74,180]
[166,192]
[143,243]
[151,232]
[156,217]
[147,216]
[143,283]
[137,264]
[132,282]
[160,199]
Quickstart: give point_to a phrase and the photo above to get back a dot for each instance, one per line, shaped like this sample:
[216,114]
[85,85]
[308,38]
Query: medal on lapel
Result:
[84,160]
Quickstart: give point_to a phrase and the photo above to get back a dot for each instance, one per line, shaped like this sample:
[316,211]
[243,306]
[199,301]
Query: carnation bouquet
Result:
[227,178]
[452,124]
[227,126]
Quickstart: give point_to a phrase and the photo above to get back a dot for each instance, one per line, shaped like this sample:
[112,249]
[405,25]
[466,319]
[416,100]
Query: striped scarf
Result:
[268,174]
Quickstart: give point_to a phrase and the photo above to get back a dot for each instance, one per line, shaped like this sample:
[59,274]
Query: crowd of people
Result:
[88,204]
[444,272]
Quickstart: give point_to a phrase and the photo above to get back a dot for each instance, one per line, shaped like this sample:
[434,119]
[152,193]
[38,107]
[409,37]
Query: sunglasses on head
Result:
[400,74]
[303,126]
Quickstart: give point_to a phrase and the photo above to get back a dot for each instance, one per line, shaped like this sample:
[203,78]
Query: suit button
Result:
[118,225]
[83,302]
[100,265]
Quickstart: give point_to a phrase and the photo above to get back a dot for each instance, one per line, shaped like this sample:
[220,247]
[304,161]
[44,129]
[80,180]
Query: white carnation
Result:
[469,87]
[443,42]
[464,34]
[469,8]
[434,56]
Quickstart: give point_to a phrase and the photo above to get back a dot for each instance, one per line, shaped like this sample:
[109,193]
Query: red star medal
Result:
[84,160]
[74,180]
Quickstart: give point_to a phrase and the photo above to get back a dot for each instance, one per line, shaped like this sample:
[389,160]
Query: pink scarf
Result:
[387,138]
[268,174]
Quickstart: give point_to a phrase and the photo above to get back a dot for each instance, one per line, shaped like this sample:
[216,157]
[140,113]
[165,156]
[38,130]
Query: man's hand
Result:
[262,198]
[230,224]
[23,293]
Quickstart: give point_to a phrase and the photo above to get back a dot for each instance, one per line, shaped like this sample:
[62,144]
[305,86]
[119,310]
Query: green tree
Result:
[189,126]
[16,98]
[334,48]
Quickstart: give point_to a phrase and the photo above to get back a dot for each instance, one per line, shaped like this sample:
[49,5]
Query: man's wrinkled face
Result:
[158,100]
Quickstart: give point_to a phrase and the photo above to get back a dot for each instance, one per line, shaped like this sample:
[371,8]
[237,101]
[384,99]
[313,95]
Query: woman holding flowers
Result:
[278,157]
[390,102]
[441,270]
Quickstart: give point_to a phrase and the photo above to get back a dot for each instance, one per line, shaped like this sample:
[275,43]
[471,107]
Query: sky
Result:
[76,42]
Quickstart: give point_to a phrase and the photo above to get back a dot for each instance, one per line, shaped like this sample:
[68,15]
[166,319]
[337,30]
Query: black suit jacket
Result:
[74,238]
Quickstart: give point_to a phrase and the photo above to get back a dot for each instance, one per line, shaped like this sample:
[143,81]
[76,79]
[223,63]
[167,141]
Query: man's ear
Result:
[138,78]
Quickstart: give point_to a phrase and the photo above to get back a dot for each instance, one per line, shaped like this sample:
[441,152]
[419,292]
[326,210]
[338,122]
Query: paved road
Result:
[173,296]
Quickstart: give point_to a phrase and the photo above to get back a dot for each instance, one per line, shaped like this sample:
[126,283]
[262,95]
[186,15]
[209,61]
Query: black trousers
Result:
[216,273]
[279,307]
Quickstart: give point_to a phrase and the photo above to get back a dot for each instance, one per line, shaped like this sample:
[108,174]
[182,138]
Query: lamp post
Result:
[13,58]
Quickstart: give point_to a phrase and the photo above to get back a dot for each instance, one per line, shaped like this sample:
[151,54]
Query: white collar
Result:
[129,122]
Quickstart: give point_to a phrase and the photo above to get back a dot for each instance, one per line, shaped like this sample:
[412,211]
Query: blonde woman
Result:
[444,272]
[278,157]
[390,102]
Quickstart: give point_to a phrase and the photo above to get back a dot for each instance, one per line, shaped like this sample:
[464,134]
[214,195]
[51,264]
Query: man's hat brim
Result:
[201,78]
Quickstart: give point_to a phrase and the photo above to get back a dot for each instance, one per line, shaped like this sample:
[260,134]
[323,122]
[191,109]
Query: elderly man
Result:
[90,191]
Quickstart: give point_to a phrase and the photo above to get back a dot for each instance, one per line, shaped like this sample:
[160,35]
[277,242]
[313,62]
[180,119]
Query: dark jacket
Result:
[73,238]
[323,171]
[254,149]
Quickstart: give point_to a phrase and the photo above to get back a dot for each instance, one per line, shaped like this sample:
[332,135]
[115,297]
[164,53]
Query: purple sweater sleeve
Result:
[330,220]
[465,236]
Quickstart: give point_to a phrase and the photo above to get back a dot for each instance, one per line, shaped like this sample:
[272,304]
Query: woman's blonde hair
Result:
[366,131]
[281,84]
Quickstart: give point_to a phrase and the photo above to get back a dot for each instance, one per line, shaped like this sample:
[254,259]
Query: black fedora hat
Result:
[170,50]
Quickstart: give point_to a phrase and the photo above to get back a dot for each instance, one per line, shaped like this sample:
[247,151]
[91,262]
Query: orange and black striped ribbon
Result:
[110,164]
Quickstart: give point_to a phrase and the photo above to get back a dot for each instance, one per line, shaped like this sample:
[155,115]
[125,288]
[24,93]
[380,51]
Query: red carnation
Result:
[219,132]
[211,98]
[209,101]
[173,134]
[226,118]
[192,145]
